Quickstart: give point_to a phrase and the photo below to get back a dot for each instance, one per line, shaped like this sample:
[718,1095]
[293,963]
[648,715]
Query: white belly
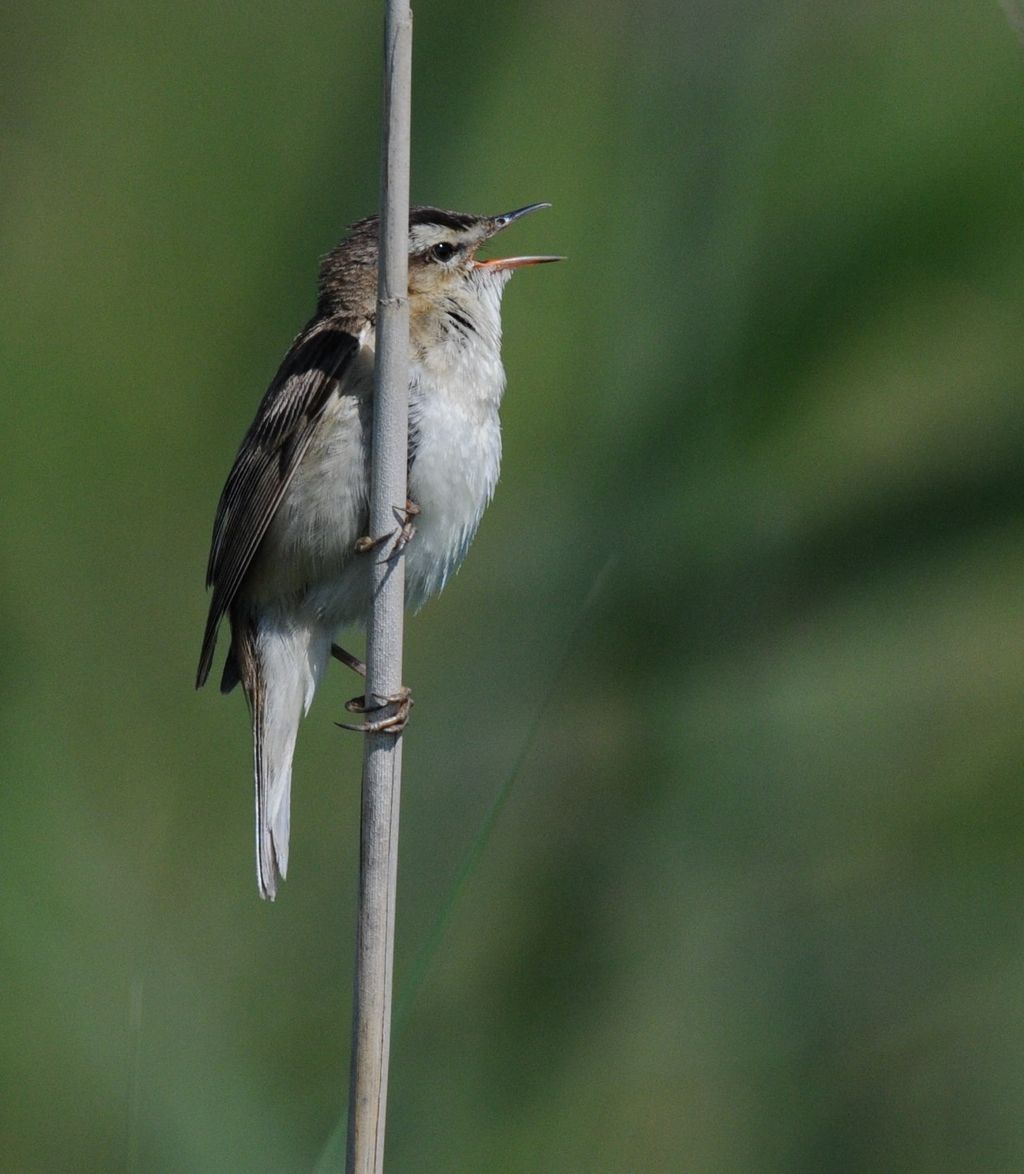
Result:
[457,458]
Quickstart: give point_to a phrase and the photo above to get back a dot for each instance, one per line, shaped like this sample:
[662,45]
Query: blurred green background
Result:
[743,624]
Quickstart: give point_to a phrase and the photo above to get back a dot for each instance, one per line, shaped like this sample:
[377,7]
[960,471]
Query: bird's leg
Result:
[396,723]
[393,724]
[353,662]
[402,536]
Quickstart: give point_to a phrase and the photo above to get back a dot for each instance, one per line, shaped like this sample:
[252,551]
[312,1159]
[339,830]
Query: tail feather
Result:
[272,769]
[279,672]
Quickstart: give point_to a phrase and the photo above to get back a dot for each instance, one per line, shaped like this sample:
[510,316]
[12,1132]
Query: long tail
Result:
[280,671]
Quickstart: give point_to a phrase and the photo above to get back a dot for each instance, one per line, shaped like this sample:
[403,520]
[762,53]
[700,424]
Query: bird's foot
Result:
[366,544]
[394,723]
[407,528]
[402,536]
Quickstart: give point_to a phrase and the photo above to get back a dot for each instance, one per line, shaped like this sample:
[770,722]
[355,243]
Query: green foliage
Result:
[754,901]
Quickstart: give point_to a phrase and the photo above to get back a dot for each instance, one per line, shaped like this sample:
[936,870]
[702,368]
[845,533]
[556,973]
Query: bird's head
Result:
[443,247]
[442,258]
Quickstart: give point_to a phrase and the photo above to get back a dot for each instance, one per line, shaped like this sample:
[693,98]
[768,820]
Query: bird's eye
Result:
[443,251]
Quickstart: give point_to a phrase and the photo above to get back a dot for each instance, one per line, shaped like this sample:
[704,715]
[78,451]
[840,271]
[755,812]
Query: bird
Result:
[289,563]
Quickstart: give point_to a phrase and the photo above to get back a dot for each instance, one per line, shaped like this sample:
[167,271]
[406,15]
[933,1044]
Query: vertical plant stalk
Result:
[382,761]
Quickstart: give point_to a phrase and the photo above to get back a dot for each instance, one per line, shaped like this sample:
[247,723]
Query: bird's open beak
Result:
[514,262]
[503,221]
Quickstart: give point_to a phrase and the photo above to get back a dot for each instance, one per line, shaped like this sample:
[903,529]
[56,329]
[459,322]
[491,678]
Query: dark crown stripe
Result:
[438,216]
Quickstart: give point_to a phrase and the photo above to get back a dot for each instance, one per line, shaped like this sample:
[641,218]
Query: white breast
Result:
[456,434]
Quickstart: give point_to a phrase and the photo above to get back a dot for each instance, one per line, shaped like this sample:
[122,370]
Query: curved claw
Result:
[402,536]
[393,724]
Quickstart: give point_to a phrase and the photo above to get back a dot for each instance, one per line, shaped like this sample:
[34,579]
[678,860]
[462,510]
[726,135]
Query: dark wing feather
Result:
[268,457]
